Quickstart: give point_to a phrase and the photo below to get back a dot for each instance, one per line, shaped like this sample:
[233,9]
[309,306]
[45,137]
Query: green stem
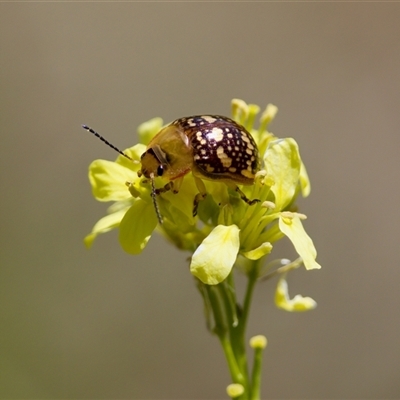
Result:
[236,374]
[256,375]
[227,291]
[241,331]
[252,275]
[221,330]
[285,269]
[230,327]
[236,339]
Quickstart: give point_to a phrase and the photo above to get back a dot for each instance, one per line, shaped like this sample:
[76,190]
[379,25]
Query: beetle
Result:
[212,147]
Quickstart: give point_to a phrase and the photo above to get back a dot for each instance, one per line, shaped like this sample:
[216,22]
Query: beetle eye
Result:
[160,170]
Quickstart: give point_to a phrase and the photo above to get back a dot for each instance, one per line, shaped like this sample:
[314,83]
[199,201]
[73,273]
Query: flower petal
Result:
[134,152]
[297,304]
[180,205]
[108,180]
[136,226]
[214,258]
[104,225]
[147,130]
[282,161]
[293,229]
[259,252]
[305,184]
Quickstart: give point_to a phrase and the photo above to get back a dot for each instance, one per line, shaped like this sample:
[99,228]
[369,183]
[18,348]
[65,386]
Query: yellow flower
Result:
[226,227]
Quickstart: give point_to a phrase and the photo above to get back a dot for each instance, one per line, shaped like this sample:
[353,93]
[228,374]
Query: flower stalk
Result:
[230,323]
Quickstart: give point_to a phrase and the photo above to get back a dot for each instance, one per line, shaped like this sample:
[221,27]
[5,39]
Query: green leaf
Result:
[282,162]
[297,304]
[293,229]
[214,258]
[137,226]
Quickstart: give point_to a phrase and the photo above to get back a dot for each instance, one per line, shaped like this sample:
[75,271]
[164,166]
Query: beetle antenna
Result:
[106,141]
[154,198]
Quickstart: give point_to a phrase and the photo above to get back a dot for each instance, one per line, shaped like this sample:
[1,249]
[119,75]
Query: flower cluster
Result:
[226,231]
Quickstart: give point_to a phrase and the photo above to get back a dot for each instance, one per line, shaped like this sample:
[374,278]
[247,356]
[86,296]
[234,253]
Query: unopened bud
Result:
[258,342]
[234,390]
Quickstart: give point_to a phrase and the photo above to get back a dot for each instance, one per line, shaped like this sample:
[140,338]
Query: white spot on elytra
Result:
[225,160]
[217,134]
[221,152]
[208,119]
[209,168]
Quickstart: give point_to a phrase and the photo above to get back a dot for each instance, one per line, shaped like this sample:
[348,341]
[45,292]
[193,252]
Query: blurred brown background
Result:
[102,324]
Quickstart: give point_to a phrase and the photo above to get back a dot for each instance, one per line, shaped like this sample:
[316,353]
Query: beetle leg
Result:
[169,186]
[244,198]
[174,186]
[199,196]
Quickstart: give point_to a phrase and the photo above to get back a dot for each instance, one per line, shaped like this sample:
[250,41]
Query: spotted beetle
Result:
[212,147]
